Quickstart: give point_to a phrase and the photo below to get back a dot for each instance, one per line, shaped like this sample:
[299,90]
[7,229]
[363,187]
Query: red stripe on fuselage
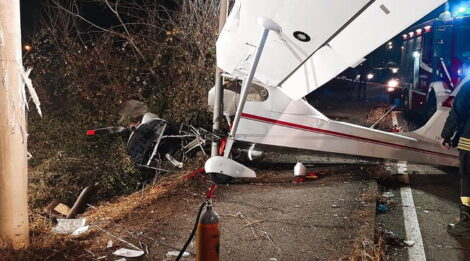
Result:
[339,134]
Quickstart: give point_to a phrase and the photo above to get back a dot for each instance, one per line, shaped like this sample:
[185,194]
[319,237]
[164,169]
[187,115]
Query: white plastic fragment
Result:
[176,253]
[388,194]
[300,170]
[29,86]
[110,244]
[128,252]
[80,230]
[69,226]
[409,243]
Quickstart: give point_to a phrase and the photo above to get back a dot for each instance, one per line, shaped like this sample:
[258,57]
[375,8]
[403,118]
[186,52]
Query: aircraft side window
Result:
[256,93]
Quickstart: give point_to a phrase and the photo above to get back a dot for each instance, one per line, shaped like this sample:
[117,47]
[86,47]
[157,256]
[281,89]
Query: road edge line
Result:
[413,232]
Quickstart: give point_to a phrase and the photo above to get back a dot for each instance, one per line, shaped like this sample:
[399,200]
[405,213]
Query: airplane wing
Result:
[319,39]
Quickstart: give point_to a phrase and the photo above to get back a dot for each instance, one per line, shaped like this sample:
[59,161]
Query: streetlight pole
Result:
[14,225]
[219,92]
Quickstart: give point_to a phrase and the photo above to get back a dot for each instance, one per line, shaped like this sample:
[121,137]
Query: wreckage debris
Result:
[176,253]
[382,209]
[300,170]
[308,176]
[128,252]
[394,239]
[82,200]
[72,227]
[194,173]
[56,210]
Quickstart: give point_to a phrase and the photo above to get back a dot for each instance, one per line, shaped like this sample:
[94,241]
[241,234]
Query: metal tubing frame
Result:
[245,90]
[219,92]
[155,148]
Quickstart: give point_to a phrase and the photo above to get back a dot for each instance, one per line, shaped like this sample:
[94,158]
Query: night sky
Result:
[31,13]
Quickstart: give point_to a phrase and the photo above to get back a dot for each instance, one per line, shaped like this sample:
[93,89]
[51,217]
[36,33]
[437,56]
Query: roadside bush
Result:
[161,55]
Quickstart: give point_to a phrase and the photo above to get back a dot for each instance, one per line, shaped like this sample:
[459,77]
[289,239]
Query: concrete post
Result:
[14,226]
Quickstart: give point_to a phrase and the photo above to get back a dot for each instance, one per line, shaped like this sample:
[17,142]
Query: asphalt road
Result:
[436,200]
[435,192]
[317,220]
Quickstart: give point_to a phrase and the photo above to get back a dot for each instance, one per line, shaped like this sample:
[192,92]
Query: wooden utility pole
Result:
[14,226]
[219,92]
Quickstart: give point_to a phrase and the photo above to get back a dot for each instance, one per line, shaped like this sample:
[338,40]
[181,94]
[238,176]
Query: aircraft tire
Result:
[221,179]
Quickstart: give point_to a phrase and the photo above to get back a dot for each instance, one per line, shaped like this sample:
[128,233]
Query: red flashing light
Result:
[427,29]
[419,32]
[90,132]
[456,66]
[405,36]
[448,102]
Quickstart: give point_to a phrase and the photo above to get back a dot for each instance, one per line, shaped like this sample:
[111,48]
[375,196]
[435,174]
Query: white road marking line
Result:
[413,232]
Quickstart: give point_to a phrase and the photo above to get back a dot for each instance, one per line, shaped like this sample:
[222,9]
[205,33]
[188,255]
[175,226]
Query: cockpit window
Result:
[257,93]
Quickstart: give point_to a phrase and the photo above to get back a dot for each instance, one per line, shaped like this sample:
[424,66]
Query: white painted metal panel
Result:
[319,19]
[378,23]
[283,122]
[301,67]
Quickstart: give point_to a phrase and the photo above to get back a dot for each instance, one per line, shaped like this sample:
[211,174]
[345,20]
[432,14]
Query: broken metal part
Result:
[173,161]
[82,200]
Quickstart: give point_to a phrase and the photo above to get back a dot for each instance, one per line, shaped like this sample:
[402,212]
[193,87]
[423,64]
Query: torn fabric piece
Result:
[29,85]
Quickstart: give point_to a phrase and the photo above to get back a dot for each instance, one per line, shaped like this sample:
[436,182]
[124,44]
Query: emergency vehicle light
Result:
[462,10]
[448,102]
[405,36]
[419,32]
[427,29]
[411,34]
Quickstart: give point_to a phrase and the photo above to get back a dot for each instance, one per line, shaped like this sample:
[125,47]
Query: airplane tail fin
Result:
[432,129]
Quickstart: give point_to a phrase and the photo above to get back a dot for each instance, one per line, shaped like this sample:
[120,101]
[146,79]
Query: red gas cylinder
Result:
[208,236]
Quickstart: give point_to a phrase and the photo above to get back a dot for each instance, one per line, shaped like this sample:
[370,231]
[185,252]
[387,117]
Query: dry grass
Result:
[376,114]
[365,249]
[46,245]
[377,172]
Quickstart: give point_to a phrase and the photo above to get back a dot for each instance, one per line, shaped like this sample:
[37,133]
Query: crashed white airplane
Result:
[289,48]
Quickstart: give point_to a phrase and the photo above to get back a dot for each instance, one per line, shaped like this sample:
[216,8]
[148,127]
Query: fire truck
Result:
[435,58]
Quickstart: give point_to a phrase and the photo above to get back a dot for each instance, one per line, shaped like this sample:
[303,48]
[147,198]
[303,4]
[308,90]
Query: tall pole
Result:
[219,93]
[14,225]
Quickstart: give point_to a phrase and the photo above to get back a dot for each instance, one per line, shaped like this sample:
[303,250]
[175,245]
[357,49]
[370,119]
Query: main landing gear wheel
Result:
[218,167]
[221,179]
